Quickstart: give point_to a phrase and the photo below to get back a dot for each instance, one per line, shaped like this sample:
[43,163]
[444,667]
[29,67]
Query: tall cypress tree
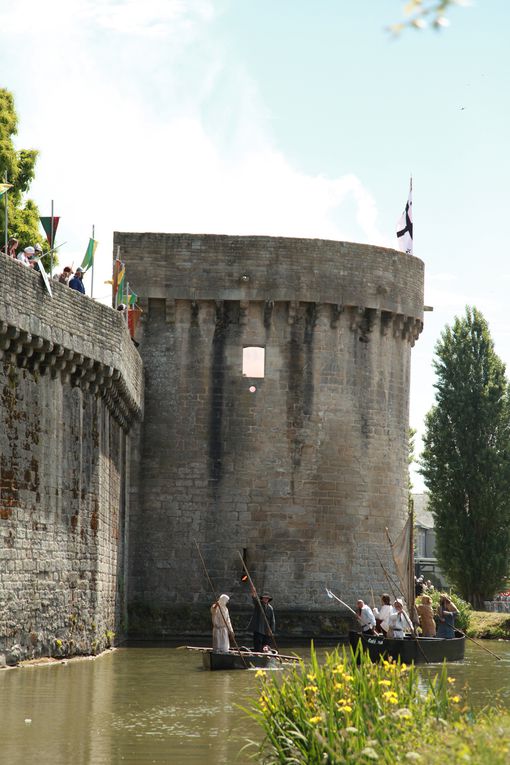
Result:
[466,460]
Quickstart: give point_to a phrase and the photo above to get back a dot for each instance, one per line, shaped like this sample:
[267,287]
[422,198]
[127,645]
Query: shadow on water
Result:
[142,705]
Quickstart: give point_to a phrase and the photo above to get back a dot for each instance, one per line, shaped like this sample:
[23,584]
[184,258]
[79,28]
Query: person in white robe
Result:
[222,627]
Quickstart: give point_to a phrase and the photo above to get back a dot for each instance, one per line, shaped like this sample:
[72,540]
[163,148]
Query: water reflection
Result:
[157,705]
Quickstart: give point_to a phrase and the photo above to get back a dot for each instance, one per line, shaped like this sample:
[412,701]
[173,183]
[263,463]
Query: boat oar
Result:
[252,586]
[213,589]
[478,644]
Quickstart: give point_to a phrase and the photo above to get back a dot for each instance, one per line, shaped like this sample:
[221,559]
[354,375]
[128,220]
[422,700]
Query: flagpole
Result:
[6,218]
[51,242]
[93,259]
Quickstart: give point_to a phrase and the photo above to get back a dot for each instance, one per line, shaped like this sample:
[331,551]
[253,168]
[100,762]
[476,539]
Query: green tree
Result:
[466,459]
[18,168]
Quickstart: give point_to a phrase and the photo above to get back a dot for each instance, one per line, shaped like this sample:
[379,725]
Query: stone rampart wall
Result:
[71,388]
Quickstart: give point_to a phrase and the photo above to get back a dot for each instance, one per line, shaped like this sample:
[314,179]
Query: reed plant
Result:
[347,709]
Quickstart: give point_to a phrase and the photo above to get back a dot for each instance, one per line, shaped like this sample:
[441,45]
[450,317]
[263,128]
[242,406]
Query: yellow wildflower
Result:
[455,699]
[347,708]
[315,720]
[384,682]
[451,680]
[311,688]
[259,673]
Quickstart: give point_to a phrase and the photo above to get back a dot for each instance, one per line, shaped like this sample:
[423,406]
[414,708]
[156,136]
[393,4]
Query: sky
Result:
[275,117]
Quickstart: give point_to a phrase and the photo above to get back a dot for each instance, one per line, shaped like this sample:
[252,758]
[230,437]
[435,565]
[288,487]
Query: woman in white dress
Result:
[382,614]
[222,627]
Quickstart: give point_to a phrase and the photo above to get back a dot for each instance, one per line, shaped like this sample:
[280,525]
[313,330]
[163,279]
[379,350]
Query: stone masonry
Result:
[71,387]
[300,470]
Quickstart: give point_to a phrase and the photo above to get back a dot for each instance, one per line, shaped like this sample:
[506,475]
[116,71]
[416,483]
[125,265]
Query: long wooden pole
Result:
[213,589]
[253,588]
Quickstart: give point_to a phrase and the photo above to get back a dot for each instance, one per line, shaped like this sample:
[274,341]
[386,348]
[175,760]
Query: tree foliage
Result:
[420,13]
[18,167]
[466,459]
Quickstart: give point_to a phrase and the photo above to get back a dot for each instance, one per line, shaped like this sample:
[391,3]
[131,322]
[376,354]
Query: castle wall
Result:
[304,473]
[71,386]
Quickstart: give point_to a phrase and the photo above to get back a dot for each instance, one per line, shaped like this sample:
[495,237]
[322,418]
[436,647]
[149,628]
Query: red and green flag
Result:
[88,260]
[46,224]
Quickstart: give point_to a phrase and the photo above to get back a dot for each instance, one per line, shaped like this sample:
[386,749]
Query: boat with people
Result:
[408,644]
[242,659]
[411,648]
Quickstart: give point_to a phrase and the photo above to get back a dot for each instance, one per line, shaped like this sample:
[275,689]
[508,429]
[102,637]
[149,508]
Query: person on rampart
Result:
[76,283]
[25,256]
[12,246]
[63,278]
[222,631]
[366,617]
[262,622]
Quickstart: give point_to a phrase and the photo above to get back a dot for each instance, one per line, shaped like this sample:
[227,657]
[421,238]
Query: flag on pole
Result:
[88,260]
[46,224]
[405,225]
[132,299]
[5,187]
[119,273]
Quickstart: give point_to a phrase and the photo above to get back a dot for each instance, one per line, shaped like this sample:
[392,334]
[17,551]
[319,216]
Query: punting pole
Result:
[6,217]
[271,633]
[213,590]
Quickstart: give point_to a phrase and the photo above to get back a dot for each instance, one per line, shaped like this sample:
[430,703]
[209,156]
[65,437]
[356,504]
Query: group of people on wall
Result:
[392,620]
[30,257]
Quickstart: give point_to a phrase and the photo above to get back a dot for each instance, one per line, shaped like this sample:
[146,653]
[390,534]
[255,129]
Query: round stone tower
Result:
[276,415]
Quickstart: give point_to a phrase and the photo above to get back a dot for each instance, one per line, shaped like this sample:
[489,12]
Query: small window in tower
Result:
[253,361]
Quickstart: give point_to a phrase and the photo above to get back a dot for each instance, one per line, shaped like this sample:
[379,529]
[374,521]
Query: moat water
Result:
[140,706]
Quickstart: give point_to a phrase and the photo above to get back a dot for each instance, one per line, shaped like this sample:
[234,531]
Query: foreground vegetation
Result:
[348,710]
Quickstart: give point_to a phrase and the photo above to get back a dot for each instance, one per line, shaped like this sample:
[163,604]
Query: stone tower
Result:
[298,464]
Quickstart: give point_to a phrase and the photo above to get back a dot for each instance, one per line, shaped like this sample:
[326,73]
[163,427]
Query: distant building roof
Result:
[423,516]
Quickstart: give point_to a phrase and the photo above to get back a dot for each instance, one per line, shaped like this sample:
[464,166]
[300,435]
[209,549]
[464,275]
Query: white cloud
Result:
[119,96]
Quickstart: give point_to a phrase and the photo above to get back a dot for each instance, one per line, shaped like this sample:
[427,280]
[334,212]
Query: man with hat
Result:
[262,622]
[76,283]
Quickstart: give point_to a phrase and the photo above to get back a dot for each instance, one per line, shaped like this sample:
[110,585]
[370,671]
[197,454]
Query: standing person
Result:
[446,612]
[399,621]
[221,624]
[426,614]
[76,283]
[262,622]
[382,614]
[366,618]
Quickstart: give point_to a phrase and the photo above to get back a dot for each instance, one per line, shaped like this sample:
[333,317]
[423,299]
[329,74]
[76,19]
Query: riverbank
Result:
[489,625]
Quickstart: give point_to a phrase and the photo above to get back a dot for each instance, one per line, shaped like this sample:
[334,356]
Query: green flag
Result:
[132,298]
[88,260]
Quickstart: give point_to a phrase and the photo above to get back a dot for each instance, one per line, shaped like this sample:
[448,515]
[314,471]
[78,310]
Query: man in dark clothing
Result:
[262,622]
[76,283]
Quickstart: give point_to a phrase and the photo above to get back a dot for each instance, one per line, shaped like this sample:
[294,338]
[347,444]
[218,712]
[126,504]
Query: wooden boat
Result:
[420,650]
[234,659]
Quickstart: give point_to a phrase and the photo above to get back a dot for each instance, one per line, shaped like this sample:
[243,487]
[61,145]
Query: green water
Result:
[157,705]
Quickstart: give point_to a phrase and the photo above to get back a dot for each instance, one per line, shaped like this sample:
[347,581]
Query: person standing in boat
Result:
[366,617]
[399,621]
[222,627]
[262,622]
[446,612]
[382,614]
[426,614]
